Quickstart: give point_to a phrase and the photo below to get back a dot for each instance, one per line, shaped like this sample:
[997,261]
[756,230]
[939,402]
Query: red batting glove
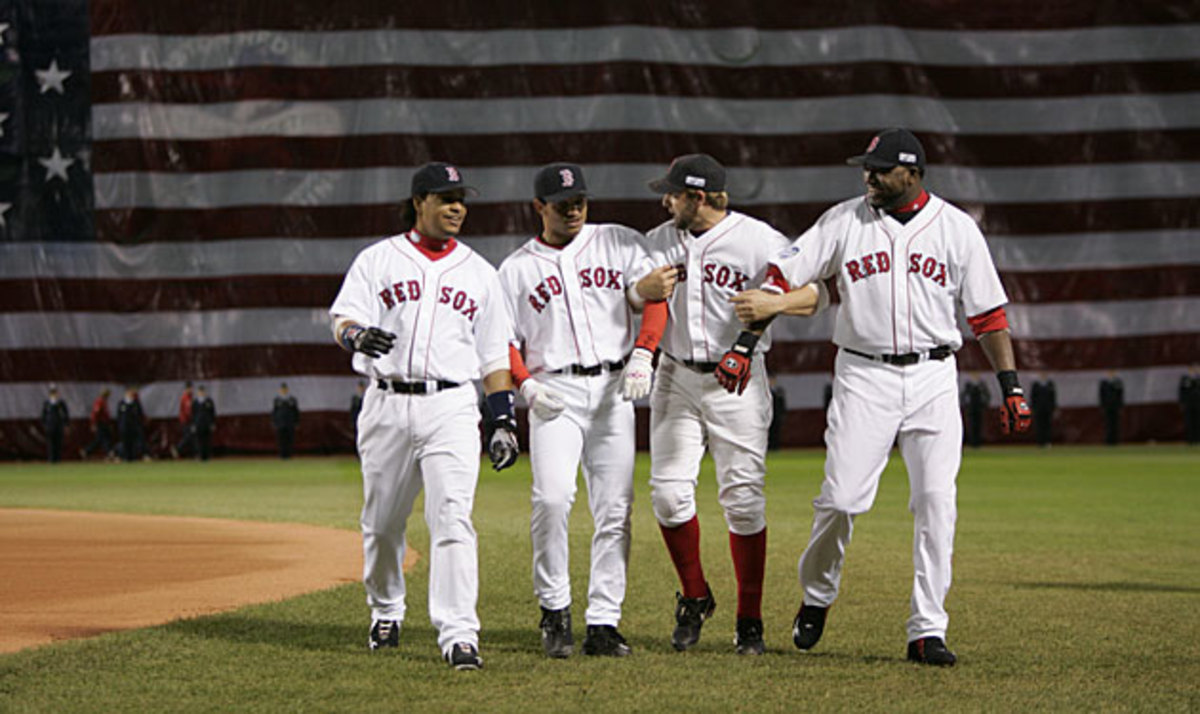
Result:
[733,371]
[1014,412]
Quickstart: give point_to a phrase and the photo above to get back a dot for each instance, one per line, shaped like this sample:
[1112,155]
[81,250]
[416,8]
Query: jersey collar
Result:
[431,248]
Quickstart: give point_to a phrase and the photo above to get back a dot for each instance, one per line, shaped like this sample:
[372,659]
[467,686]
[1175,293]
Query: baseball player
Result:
[424,315]
[572,291]
[716,253]
[903,259]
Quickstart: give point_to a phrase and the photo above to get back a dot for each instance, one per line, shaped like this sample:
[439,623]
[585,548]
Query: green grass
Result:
[1077,588]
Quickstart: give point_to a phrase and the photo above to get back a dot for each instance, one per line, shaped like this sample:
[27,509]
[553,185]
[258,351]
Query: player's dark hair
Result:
[408,213]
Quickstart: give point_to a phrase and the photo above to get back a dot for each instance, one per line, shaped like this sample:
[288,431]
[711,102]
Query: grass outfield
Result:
[1077,587]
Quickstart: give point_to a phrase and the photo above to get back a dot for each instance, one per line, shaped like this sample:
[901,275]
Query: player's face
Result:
[563,220]
[683,207]
[889,188]
[441,215]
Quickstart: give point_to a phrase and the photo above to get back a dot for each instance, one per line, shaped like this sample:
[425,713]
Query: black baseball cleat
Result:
[464,656]
[808,626]
[605,641]
[931,650]
[690,614]
[384,633]
[557,640]
[749,639]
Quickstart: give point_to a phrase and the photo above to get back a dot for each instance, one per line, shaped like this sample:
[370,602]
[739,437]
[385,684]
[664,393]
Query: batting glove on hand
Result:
[1014,412]
[371,341]
[502,447]
[545,403]
[635,382]
[733,371]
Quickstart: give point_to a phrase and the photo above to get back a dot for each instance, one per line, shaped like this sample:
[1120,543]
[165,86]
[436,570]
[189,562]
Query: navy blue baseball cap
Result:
[439,177]
[558,182]
[697,172]
[890,148]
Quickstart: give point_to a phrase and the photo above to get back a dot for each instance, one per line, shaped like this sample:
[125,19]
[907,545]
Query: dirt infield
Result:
[68,574]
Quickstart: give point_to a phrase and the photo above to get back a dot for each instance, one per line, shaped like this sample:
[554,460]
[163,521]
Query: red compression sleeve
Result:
[989,321]
[517,366]
[654,321]
[776,280]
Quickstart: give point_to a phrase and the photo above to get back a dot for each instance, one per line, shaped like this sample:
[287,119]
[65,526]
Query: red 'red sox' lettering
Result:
[928,267]
[590,277]
[400,291]
[725,276]
[459,300]
[870,264]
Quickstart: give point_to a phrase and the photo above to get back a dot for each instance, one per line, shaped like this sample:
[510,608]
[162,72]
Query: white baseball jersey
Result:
[728,258]
[569,307]
[569,304]
[448,314]
[895,279]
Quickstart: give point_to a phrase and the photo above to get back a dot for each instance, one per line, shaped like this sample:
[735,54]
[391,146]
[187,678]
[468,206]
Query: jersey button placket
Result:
[695,300]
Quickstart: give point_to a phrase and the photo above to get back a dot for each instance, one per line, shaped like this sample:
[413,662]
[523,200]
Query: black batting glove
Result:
[371,341]
[502,429]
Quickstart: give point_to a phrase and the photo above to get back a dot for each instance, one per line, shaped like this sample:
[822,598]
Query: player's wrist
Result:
[745,343]
[349,335]
[1010,384]
[500,404]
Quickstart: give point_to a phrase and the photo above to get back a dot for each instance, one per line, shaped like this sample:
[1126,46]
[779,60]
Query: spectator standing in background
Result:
[203,423]
[778,414]
[285,415]
[1044,402]
[131,427]
[975,398]
[1112,398]
[54,421]
[100,423]
[187,437]
[1189,402]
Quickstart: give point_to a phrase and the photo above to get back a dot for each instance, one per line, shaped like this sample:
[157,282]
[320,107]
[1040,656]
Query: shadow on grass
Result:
[1112,587]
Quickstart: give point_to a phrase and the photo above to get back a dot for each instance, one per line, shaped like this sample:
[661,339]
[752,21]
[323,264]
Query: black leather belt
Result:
[701,367]
[430,387]
[591,370]
[940,352]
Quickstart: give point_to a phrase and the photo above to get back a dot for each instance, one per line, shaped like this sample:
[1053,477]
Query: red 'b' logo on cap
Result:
[568,178]
[452,174]
[873,144]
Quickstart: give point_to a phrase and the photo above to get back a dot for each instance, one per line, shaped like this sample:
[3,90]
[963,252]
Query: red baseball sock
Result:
[683,543]
[749,561]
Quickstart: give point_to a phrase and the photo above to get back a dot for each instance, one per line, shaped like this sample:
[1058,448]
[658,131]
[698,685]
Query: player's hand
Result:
[733,372]
[1015,415]
[658,283]
[371,341]
[502,446]
[753,306]
[544,402]
[635,382]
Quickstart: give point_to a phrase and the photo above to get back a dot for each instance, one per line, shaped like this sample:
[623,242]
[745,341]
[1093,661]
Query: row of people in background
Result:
[124,439]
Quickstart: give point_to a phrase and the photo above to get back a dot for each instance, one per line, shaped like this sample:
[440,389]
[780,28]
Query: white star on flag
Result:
[3,118]
[3,210]
[56,165]
[51,78]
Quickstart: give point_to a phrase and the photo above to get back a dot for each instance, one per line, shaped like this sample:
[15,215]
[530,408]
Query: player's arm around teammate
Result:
[424,315]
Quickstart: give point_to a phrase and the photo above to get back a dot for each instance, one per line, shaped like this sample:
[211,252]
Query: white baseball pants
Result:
[407,442]
[596,430]
[875,404]
[690,410]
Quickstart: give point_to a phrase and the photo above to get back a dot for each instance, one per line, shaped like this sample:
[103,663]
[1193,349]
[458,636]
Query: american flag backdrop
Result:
[183,185]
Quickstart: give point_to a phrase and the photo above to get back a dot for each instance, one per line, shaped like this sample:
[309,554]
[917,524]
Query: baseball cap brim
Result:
[871,162]
[468,190]
[665,185]
[563,195]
